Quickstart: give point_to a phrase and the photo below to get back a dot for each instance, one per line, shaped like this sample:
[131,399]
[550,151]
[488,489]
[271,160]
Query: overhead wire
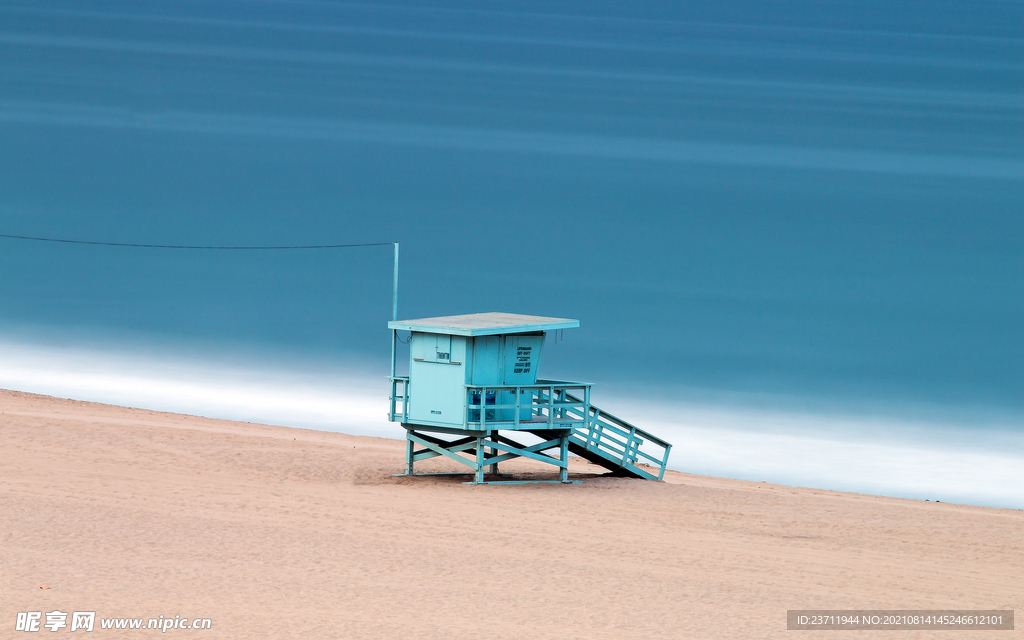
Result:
[184,246]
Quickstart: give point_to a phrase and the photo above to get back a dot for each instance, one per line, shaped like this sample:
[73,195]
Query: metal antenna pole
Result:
[394,316]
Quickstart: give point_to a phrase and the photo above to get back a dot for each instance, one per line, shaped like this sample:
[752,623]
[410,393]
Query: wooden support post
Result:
[409,456]
[494,452]
[480,459]
[563,473]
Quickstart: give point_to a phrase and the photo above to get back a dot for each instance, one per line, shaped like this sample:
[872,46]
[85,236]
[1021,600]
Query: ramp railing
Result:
[619,441]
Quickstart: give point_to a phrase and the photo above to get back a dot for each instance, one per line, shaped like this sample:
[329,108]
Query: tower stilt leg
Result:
[563,473]
[494,452]
[479,459]
[408,455]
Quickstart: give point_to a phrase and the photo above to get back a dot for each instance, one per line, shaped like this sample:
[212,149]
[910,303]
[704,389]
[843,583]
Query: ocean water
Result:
[791,227]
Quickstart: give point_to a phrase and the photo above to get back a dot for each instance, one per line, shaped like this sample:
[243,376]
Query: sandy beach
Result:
[273,532]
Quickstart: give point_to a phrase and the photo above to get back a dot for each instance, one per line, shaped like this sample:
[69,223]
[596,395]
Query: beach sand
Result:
[274,532]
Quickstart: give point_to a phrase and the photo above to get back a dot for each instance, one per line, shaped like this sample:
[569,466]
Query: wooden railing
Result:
[399,411]
[619,441]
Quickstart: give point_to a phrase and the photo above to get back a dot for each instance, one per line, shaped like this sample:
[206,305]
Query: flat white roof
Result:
[484,324]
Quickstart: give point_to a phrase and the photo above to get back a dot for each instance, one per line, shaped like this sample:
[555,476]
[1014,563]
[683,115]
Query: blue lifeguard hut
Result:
[473,384]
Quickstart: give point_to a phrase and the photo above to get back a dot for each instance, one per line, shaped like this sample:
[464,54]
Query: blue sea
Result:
[793,232]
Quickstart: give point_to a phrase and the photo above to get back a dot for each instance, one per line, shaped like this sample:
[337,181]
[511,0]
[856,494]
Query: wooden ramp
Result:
[614,444]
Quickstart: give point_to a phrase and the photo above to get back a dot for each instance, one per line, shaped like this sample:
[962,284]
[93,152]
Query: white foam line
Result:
[266,393]
[883,456]
[874,455]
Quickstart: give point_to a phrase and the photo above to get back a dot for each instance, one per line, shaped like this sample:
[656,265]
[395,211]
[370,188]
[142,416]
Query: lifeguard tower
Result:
[473,379]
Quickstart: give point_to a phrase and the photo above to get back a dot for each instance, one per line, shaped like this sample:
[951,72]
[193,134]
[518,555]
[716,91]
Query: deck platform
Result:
[563,421]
